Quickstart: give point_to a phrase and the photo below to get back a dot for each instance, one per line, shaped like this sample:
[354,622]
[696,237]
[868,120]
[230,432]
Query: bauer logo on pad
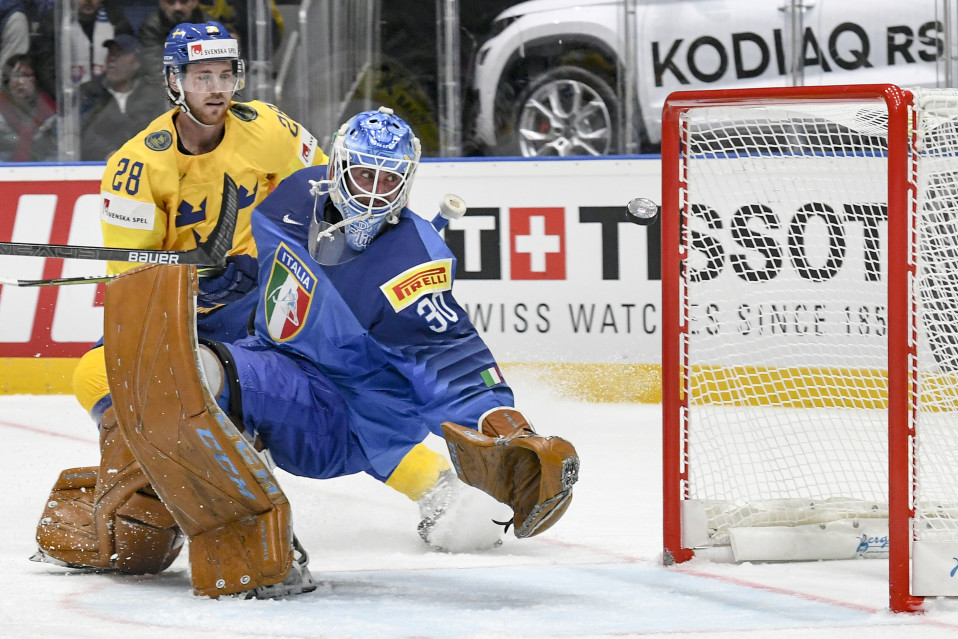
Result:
[288,295]
[411,284]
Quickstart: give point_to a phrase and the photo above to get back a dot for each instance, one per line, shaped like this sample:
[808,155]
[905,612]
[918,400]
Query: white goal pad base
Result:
[934,569]
[811,542]
[785,530]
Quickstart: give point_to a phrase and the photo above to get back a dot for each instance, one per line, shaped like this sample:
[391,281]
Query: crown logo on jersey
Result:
[289,295]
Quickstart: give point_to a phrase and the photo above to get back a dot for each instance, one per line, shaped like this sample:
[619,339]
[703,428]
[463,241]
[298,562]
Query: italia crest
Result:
[289,294]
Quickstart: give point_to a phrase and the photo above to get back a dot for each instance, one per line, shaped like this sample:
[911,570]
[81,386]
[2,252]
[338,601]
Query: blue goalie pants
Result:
[303,418]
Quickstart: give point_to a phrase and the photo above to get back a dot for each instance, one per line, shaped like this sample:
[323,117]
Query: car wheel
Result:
[567,111]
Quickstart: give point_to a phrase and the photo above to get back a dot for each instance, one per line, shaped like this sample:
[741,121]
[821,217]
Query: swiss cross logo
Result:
[537,243]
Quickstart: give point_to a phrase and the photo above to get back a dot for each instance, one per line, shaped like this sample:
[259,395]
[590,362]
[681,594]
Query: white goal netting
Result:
[784,289]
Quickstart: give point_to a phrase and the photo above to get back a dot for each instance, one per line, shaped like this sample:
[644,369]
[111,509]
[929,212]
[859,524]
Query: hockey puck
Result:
[642,211]
[452,207]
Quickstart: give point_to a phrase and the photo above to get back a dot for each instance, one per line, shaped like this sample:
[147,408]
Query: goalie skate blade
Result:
[41,557]
[298,582]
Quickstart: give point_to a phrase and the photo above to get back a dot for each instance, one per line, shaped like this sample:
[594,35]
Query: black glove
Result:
[228,284]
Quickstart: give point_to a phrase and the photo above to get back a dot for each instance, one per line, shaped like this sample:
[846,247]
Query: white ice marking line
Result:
[44,431]
[567,600]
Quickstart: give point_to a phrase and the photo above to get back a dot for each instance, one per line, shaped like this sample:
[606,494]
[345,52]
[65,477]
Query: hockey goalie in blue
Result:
[359,352]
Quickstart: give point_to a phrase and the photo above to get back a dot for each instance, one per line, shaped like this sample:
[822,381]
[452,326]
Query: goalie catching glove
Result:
[505,458]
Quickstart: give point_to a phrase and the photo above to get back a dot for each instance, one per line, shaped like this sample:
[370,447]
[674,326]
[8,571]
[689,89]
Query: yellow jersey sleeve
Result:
[292,146]
[130,216]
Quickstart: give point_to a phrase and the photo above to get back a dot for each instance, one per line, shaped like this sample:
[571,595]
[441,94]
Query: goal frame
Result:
[901,313]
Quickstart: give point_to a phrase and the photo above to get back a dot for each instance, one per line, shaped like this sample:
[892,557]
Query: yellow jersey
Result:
[156,197]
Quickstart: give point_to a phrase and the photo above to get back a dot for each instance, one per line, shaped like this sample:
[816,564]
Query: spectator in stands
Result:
[236,16]
[98,22]
[157,26]
[14,29]
[120,103]
[27,115]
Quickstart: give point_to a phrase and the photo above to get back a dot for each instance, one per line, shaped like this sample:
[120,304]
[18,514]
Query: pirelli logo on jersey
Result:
[410,285]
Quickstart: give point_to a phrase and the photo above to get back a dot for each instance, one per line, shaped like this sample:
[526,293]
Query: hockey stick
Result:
[210,252]
[64,281]
[451,207]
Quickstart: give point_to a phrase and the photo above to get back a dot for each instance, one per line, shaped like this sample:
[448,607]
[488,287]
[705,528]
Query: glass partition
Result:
[473,77]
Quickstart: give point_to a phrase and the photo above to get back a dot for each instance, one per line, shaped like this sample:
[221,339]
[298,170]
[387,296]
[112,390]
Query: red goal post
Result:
[810,329]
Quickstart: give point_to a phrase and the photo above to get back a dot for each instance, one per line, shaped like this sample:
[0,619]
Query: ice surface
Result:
[597,573]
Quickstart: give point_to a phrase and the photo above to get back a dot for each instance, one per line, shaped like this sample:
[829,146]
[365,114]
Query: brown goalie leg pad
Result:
[221,559]
[203,469]
[531,474]
[66,531]
[134,528]
[108,517]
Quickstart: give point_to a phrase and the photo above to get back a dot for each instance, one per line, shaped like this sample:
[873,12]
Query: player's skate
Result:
[459,518]
[530,473]
[297,582]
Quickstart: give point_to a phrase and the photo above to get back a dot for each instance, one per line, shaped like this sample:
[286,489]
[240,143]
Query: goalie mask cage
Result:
[810,329]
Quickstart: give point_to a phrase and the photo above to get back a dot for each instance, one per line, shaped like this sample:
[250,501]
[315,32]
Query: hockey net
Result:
[810,343]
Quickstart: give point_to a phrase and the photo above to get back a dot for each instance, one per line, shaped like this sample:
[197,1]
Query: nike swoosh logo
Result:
[289,220]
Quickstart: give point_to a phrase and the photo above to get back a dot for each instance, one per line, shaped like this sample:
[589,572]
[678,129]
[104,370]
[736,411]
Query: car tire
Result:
[566,111]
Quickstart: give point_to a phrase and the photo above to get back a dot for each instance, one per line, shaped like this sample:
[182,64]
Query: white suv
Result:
[548,81]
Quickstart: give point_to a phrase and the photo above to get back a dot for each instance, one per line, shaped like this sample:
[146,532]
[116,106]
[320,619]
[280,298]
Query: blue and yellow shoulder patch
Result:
[244,112]
[159,140]
[413,283]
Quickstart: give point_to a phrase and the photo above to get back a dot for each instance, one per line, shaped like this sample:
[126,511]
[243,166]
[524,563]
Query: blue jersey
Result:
[382,331]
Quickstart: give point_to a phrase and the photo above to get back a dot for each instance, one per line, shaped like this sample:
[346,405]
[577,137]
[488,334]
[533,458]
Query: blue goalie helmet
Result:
[371,166]
[190,43]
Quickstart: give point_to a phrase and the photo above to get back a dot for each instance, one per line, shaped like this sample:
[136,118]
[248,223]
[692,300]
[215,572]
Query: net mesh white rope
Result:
[787,310]
[779,447]
[936,284]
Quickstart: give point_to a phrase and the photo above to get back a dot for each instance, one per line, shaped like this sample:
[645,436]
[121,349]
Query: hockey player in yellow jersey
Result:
[163,188]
